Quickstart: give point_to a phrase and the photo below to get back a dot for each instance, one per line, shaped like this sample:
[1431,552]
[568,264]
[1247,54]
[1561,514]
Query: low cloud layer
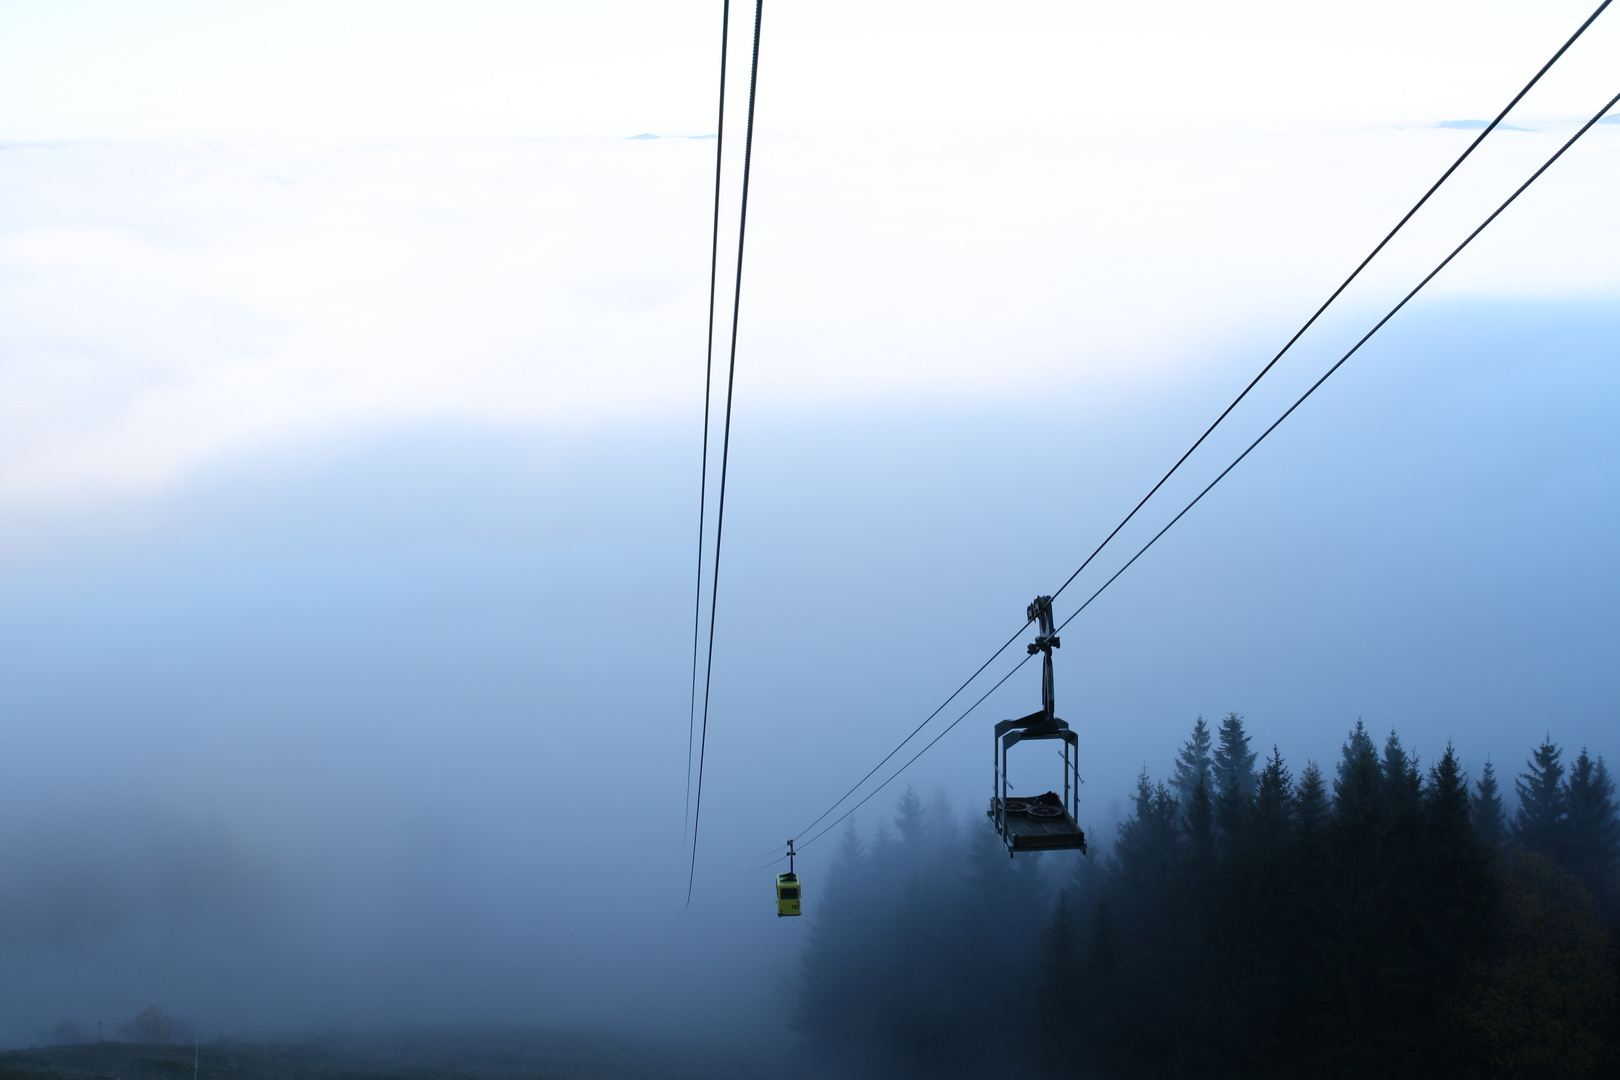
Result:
[174,306]
[397,735]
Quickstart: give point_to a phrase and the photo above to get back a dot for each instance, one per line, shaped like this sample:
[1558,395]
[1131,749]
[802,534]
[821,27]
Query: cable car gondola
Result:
[1044,822]
[787,889]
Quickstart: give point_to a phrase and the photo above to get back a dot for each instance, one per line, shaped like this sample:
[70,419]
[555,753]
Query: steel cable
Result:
[1500,116]
[1235,461]
[725,442]
[708,381]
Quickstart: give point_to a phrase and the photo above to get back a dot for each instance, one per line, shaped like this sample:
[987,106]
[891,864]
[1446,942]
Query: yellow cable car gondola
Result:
[787,889]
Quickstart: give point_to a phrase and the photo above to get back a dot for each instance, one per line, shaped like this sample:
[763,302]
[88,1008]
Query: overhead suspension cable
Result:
[901,745]
[926,747]
[1353,350]
[708,381]
[1336,292]
[725,442]
[1399,225]
[1235,461]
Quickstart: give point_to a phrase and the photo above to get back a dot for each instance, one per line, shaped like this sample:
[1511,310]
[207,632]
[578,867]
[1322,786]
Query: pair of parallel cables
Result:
[694,808]
[1218,421]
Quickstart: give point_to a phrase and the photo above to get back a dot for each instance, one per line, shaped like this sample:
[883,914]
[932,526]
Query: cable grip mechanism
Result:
[1040,611]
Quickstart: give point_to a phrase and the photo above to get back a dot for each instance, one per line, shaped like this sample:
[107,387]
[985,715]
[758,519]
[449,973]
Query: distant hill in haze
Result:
[1464,125]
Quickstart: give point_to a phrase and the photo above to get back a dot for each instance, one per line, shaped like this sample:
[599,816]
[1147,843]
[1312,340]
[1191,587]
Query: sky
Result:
[351,382]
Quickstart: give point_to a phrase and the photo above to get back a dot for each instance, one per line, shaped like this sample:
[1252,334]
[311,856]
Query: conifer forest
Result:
[1381,916]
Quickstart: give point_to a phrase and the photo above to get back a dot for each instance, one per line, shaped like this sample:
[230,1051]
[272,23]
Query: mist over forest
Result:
[1381,917]
[1384,915]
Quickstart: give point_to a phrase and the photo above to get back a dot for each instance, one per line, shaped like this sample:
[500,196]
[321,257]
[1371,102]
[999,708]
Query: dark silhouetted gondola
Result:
[1045,822]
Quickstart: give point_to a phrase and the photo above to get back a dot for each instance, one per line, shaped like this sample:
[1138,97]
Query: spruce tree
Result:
[1403,787]
[1490,823]
[1087,877]
[1101,938]
[1402,780]
[1154,927]
[1265,916]
[1357,752]
[1060,965]
[1381,961]
[1359,807]
[910,820]
[983,938]
[1198,902]
[1311,814]
[1233,761]
[1101,1008]
[1061,937]
[1147,848]
[842,959]
[1446,806]
[1193,763]
[1455,897]
[1235,781]
[1273,804]
[1308,934]
[1199,822]
[1357,920]
[850,862]
[1542,822]
[1594,832]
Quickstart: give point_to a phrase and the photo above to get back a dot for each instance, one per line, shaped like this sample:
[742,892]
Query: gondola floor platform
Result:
[1024,831]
